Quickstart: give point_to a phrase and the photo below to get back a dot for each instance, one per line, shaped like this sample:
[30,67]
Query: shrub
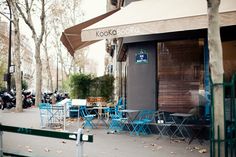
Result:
[83,86]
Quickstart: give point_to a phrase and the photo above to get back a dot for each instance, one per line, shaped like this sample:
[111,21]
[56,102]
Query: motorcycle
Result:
[7,101]
[27,99]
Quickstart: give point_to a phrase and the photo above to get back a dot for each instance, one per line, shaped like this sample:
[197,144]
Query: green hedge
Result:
[83,86]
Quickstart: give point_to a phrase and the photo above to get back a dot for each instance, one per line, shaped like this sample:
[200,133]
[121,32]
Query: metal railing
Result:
[229,120]
[46,133]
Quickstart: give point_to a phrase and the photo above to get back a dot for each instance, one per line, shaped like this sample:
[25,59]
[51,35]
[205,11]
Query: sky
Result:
[93,8]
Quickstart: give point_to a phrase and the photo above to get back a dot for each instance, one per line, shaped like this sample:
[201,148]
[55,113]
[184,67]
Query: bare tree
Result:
[48,68]
[3,58]
[17,51]
[65,16]
[26,12]
[217,70]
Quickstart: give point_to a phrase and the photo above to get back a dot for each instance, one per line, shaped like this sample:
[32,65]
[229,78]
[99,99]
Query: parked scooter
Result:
[27,99]
[7,101]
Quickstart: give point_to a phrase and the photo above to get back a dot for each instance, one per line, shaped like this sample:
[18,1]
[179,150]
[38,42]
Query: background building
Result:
[26,54]
[27,64]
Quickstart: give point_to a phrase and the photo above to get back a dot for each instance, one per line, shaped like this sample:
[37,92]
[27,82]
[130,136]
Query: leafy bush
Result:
[80,85]
[24,84]
[107,86]
[2,71]
[83,86]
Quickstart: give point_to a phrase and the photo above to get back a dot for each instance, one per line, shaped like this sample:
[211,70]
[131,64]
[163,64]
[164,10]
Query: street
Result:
[104,145]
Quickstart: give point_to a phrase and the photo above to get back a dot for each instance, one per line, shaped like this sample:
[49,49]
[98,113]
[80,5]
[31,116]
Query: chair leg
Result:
[161,129]
[88,123]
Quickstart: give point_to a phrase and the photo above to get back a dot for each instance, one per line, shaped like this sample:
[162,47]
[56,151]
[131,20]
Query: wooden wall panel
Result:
[180,69]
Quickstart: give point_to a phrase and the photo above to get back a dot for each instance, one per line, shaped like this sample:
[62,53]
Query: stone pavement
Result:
[104,145]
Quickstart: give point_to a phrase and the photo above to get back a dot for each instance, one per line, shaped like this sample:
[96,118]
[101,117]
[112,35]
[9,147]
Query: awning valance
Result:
[158,16]
[147,17]
[71,37]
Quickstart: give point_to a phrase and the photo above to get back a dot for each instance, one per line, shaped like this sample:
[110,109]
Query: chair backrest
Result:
[119,106]
[107,110]
[44,105]
[83,111]
[147,115]
[165,117]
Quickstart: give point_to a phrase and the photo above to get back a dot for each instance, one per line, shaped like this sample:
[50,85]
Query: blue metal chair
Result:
[88,118]
[164,123]
[107,112]
[141,125]
[44,109]
[117,120]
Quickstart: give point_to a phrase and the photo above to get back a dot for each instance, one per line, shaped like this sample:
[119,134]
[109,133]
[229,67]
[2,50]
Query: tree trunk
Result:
[217,71]
[17,61]
[38,75]
[27,16]
[48,69]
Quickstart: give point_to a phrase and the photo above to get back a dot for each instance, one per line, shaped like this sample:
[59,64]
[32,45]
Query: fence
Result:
[229,121]
[46,133]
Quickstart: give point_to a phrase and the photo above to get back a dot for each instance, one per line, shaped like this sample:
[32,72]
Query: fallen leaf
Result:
[153,144]
[159,147]
[63,142]
[202,151]
[172,153]
[177,141]
[30,150]
[197,148]
[46,150]
[188,148]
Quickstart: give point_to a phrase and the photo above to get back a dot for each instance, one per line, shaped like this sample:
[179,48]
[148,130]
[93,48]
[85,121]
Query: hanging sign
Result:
[141,57]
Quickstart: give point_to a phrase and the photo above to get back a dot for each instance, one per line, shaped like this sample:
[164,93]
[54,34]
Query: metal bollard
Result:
[81,138]
[79,143]
[1,143]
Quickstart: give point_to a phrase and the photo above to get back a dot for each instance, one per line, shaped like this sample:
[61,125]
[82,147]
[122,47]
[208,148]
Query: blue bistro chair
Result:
[44,109]
[117,120]
[88,118]
[164,122]
[141,125]
[117,123]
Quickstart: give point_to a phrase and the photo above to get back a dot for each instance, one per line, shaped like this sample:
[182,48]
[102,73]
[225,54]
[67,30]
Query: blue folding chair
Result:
[141,125]
[164,123]
[44,109]
[118,122]
[88,118]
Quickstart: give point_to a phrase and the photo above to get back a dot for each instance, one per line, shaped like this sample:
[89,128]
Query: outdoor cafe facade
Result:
[163,55]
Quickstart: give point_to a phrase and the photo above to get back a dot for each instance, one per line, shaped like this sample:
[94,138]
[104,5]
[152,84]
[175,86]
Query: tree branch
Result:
[42,20]
[27,21]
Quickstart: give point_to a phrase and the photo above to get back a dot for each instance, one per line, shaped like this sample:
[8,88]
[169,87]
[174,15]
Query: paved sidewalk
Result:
[104,145]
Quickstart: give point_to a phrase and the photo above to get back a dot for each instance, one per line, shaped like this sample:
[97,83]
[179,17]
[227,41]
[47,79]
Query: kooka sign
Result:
[115,32]
[107,33]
